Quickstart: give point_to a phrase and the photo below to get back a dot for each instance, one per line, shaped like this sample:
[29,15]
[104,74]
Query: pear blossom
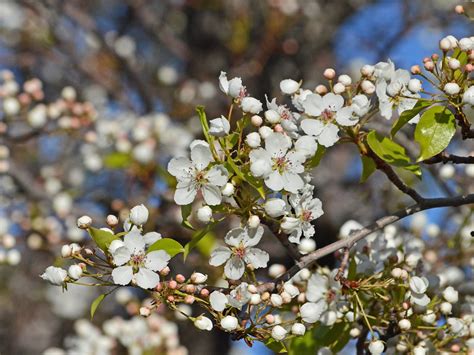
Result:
[251,105]
[54,275]
[134,263]
[229,323]
[203,323]
[328,111]
[307,209]
[289,86]
[139,215]
[275,207]
[323,292]
[240,296]
[278,332]
[195,175]
[219,127]
[418,287]
[231,87]
[311,311]
[277,165]
[241,252]
[468,96]
[218,301]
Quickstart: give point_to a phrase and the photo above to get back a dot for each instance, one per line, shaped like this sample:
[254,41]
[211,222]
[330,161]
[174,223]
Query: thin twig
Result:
[444,158]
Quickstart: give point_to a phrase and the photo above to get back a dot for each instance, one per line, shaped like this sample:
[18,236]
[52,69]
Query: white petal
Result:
[277,144]
[217,175]
[253,236]
[333,102]
[312,105]
[122,275]
[219,256]
[329,135]
[147,279]
[292,182]
[121,255]
[201,156]
[185,193]
[306,145]
[218,301]
[312,127]
[212,194]
[344,117]
[223,83]
[180,167]
[257,257]
[151,237]
[234,268]
[385,108]
[134,242]
[157,260]
[235,236]
[274,181]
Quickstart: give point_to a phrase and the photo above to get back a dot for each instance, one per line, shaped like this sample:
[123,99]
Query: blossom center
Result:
[240,252]
[327,115]
[306,216]
[137,259]
[280,164]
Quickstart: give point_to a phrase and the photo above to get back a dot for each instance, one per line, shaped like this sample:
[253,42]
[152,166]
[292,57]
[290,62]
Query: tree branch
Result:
[355,236]
[283,238]
[393,177]
[444,158]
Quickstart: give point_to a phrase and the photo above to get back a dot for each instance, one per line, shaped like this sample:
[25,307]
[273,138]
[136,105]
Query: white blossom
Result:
[229,323]
[139,215]
[231,87]
[54,275]
[219,127]
[203,323]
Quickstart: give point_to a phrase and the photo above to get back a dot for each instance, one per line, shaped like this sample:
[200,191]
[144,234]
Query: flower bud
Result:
[404,324]
[253,140]
[414,85]
[265,131]
[429,65]
[396,273]
[219,127]
[276,300]
[278,332]
[75,272]
[253,221]
[256,120]
[255,299]
[321,89]
[415,69]
[251,105]
[446,308]
[339,88]
[298,329]
[66,251]
[345,80]
[229,323]
[354,332]
[454,64]
[203,323]
[276,270]
[451,295]
[272,116]
[204,214]
[198,278]
[329,73]
[270,318]
[275,207]
[54,275]
[367,70]
[112,220]
[307,245]
[367,87]
[228,189]
[289,86]
[445,44]
[459,9]
[376,347]
[139,215]
[75,248]
[84,222]
[451,88]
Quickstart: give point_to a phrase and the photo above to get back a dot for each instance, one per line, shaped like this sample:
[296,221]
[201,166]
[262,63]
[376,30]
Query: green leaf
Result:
[207,244]
[255,183]
[117,160]
[435,130]
[185,213]
[391,152]
[205,126]
[306,344]
[368,167]
[102,238]
[95,304]
[171,246]
[316,159]
[406,116]
[278,347]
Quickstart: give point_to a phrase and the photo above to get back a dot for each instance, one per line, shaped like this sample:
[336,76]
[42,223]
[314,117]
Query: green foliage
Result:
[197,238]
[435,130]
[406,116]
[278,347]
[117,160]
[102,238]
[205,126]
[391,152]
[95,304]
[368,167]
[334,337]
[185,213]
[171,246]
[316,159]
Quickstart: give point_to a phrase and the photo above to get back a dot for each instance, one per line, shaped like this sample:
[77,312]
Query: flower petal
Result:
[135,242]
[257,257]
[253,236]
[312,127]
[180,167]
[274,181]
[122,275]
[219,256]
[217,175]
[212,194]
[201,156]
[218,301]
[151,237]
[121,255]
[313,105]
[234,268]
[157,260]
[185,193]
[329,135]
[146,278]
[235,236]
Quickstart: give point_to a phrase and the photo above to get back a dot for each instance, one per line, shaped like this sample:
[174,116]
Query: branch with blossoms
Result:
[257,167]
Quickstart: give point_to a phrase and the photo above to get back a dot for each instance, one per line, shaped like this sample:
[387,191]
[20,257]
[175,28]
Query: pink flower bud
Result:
[180,278]
[321,89]
[172,284]
[329,73]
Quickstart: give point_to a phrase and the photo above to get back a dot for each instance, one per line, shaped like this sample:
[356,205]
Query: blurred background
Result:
[138,69]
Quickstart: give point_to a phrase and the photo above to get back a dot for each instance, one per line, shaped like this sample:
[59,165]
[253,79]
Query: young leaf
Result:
[368,167]
[95,304]
[102,238]
[391,152]
[205,126]
[117,160]
[171,246]
[278,347]
[197,238]
[435,130]
[316,159]
[406,116]
[185,213]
